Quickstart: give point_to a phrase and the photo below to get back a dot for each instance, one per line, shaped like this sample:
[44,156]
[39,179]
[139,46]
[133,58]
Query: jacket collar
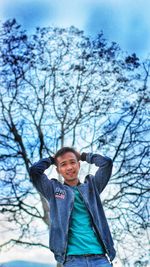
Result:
[71,186]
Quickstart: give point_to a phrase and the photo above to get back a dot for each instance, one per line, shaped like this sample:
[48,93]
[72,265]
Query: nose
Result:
[69,167]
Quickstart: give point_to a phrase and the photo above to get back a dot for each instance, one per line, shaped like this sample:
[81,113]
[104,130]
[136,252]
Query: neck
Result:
[72,183]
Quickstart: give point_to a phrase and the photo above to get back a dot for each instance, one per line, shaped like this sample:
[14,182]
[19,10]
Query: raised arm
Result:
[104,171]
[39,178]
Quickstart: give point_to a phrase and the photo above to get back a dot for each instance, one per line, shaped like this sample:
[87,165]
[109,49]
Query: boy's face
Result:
[68,166]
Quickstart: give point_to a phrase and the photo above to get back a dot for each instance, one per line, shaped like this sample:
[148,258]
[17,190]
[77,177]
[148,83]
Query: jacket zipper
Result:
[93,223]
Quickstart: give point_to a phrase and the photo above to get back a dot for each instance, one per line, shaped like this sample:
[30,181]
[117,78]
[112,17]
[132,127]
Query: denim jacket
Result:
[61,200]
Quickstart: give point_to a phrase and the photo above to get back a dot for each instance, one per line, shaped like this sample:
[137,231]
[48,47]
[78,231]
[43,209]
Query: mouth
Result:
[70,173]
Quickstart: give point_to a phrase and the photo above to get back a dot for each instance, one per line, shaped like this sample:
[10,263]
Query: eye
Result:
[63,164]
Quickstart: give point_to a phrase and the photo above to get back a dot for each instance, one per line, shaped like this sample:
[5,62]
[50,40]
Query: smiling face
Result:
[68,166]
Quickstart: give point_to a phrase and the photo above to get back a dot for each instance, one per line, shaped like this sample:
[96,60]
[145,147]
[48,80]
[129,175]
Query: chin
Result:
[70,179]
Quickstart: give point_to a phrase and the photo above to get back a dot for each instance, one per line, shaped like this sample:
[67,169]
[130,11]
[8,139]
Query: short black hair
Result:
[65,150]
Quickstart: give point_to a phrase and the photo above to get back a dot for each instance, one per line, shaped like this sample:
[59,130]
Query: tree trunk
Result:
[59,264]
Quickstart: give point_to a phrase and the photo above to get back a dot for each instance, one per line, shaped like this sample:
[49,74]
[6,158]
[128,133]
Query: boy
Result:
[79,233]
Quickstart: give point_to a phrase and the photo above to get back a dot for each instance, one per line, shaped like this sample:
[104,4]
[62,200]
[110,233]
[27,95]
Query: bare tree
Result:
[59,88]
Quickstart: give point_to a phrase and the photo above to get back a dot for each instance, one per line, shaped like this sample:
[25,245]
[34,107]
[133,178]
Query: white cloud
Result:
[28,254]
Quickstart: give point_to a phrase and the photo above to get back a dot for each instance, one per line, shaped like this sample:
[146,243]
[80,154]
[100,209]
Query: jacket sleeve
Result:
[104,171]
[39,178]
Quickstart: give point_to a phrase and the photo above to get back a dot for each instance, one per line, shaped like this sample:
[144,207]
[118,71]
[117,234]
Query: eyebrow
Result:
[68,160]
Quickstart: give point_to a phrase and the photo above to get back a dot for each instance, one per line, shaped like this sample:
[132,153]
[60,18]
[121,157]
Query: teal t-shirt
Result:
[82,239]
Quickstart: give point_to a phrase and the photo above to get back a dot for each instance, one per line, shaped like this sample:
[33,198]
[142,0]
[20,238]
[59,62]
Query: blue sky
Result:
[123,21]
